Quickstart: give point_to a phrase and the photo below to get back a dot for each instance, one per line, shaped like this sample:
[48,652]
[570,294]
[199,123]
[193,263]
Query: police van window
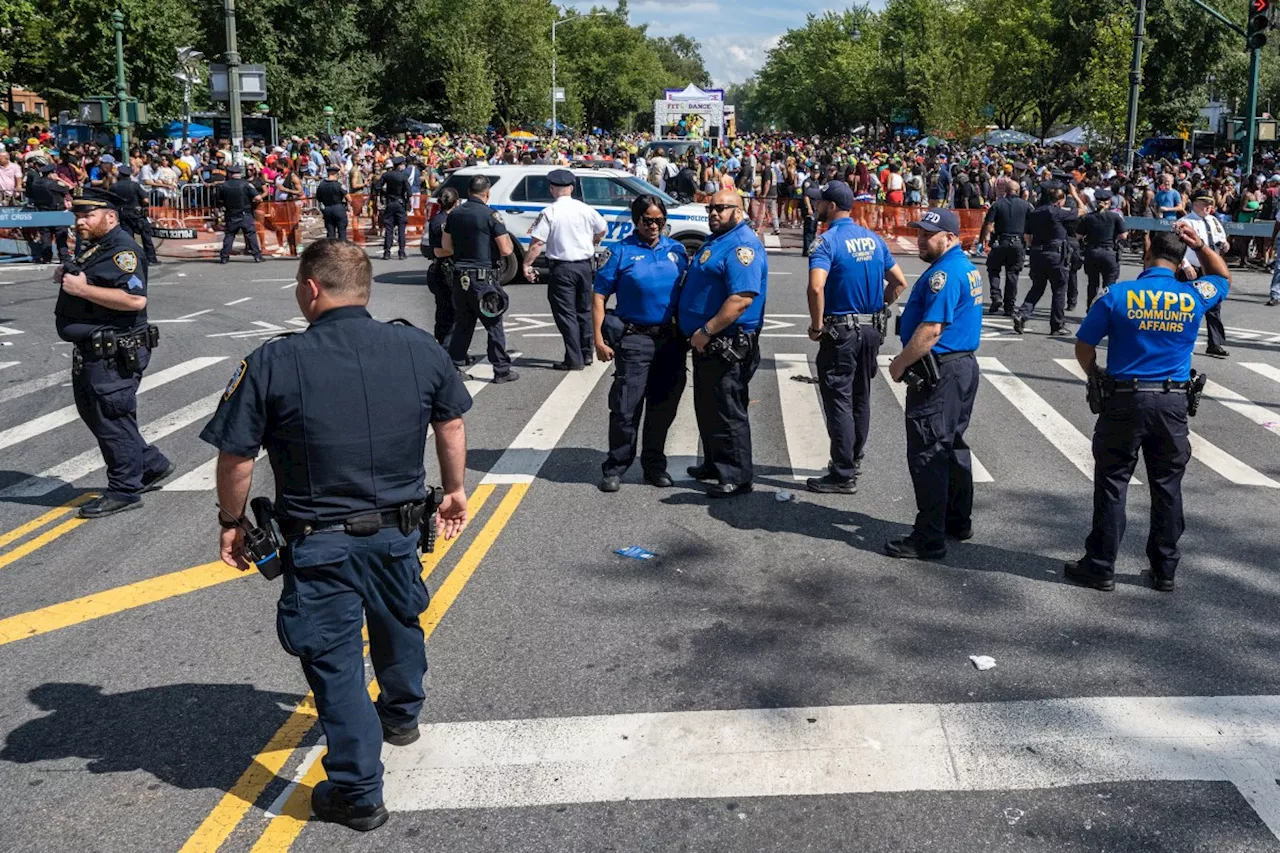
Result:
[460,182]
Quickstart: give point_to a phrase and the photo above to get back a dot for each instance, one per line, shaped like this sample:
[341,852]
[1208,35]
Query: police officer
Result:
[440,273]
[941,328]
[643,272]
[393,186]
[1047,237]
[1151,325]
[472,231]
[1210,230]
[46,193]
[851,277]
[1002,238]
[569,230]
[1075,256]
[237,198]
[810,198]
[1101,232]
[350,515]
[332,198]
[133,212]
[102,311]
[720,312]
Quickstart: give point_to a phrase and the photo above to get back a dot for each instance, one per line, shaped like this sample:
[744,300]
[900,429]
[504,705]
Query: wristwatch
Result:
[225,524]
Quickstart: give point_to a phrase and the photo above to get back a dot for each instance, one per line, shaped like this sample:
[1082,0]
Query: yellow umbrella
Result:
[522,134]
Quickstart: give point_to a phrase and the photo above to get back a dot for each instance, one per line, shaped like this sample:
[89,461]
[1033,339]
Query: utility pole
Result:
[232,56]
[1135,85]
[122,90]
[1255,39]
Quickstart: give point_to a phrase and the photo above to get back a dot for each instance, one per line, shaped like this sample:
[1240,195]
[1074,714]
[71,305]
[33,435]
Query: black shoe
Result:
[960,533]
[1217,352]
[154,262]
[1018,324]
[1078,574]
[912,548]
[1271,302]
[610,483]
[564,365]
[830,484]
[330,806]
[259,260]
[1060,332]
[223,260]
[1008,312]
[1158,581]
[150,484]
[704,471]
[399,735]
[105,506]
[728,490]
[661,479]
[509,376]
[994,309]
[386,256]
[1071,306]
[401,256]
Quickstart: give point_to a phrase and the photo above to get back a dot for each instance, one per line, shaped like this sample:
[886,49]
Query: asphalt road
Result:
[769,681]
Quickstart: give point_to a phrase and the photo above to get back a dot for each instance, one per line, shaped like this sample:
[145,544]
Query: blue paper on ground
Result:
[635,552]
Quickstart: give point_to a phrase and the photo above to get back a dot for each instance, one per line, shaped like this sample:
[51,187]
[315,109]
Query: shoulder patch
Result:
[706,254]
[236,379]
[813,247]
[497,217]
[127,261]
[675,258]
[746,255]
[937,281]
[603,256]
[1206,289]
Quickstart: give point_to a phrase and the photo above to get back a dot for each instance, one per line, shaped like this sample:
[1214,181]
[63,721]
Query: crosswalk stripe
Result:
[7,364]
[682,439]
[521,461]
[1237,403]
[1222,462]
[803,424]
[31,386]
[1262,370]
[980,472]
[67,414]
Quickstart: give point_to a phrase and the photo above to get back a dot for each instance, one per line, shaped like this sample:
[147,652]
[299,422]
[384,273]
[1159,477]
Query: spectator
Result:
[11,180]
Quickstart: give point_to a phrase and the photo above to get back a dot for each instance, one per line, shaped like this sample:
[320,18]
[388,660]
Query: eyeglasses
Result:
[653,220]
[720,208]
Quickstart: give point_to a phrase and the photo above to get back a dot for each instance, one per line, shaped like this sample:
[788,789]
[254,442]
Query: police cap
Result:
[838,193]
[1103,195]
[125,171]
[397,161]
[1202,195]
[560,178]
[940,219]
[93,198]
[331,168]
[234,169]
[493,302]
[46,168]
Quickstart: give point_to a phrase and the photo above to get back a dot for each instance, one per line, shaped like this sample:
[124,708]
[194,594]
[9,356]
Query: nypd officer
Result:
[643,273]
[1150,325]
[332,198]
[343,410]
[394,188]
[1075,256]
[1049,254]
[569,230]
[133,211]
[238,198]
[472,233]
[102,310]
[1201,218]
[1101,232]
[46,193]
[440,273]
[1002,236]
[941,327]
[720,312]
[851,277]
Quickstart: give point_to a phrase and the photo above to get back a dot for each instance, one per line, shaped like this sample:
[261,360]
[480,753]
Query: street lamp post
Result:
[328,121]
[232,57]
[122,90]
[555,125]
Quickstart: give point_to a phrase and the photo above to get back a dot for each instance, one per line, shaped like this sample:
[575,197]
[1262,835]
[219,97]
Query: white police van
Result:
[520,192]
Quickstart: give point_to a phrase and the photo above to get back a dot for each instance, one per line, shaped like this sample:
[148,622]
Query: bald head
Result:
[724,211]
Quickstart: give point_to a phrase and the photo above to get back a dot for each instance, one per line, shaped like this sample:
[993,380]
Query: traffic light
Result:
[1259,22]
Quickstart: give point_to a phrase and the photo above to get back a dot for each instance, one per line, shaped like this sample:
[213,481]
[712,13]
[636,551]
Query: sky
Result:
[736,35]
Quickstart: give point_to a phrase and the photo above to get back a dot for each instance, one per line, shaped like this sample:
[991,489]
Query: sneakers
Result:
[1060,332]
[1019,323]
[1077,573]
[830,484]
[1217,352]
[912,547]
[104,506]
[1272,302]
[332,807]
[509,376]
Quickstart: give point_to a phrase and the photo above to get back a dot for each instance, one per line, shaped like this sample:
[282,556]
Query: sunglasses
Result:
[720,208]
[653,220]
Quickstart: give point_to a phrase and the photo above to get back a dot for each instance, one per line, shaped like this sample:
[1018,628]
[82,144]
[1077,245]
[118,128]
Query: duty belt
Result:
[952,356]
[658,331]
[93,349]
[847,321]
[556,261]
[1008,238]
[359,525]
[1132,386]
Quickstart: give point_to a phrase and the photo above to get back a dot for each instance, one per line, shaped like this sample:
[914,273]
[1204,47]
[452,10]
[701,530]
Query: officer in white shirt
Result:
[569,231]
[1210,230]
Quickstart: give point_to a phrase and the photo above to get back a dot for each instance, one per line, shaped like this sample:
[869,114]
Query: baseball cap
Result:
[838,192]
[937,220]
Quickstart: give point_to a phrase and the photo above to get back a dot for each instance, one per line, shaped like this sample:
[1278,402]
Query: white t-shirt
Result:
[568,227]
[1209,230]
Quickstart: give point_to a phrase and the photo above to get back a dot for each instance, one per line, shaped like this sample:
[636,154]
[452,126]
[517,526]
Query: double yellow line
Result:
[6,539]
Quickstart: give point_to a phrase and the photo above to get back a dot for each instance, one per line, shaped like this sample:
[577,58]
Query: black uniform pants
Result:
[809,235]
[937,456]
[1156,423]
[1101,268]
[1048,268]
[846,367]
[106,398]
[241,221]
[569,293]
[335,223]
[1075,260]
[466,308]
[1009,256]
[440,287]
[137,224]
[1213,326]
[51,238]
[394,221]
[720,401]
[648,378]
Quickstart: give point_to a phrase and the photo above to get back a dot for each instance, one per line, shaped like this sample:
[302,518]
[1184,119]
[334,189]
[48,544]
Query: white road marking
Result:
[186,318]
[682,439]
[202,478]
[30,386]
[312,756]
[1262,370]
[268,280]
[5,331]
[6,364]
[264,328]
[237,301]
[67,414]
[524,458]
[803,425]
[980,472]
[289,285]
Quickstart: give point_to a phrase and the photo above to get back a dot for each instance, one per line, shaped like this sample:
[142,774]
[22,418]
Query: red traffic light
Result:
[1259,7]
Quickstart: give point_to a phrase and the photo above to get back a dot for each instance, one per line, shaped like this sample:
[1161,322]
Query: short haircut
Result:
[641,206]
[1167,246]
[478,185]
[448,198]
[341,268]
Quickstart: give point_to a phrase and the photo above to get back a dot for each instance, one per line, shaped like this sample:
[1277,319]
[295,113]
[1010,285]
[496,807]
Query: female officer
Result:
[438,279]
[644,272]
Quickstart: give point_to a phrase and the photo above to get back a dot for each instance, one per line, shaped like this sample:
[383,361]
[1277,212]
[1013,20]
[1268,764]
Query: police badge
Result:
[745,255]
[497,217]
[235,380]
[127,261]
[706,253]
[937,281]
[1205,289]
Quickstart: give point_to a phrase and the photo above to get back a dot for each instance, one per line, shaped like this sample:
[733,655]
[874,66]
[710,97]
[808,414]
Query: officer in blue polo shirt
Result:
[941,327]
[643,271]
[720,311]
[1150,325]
[851,277]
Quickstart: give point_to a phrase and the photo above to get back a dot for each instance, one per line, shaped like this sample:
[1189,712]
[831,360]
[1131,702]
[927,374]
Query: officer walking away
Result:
[473,232]
[1101,232]
[1047,238]
[1075,256]
[720,312]
[810,198]
[393,186]
[49,194]
[941,328]
[238,198]
[133,212]
[332,198]
[852,276]
[1210,231]
[569,230]
[102,311]
[1003,231]
[643,273]
[440,273]
[355,397]
[1143,398]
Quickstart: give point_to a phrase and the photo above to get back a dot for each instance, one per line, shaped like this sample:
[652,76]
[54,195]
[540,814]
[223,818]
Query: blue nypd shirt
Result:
[856,260]
[645,279]
[728,263]
[950,293]
[1151,323]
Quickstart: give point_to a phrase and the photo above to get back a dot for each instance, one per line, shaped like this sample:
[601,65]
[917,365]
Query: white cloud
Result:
[668,6]
[734,58]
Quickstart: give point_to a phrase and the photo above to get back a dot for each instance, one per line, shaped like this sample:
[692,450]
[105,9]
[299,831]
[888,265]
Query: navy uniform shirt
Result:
[856,261]
[236,196]
[47,194]
[1008,216]
[728,263]
[342,410]
[1151,323]
[645,279]
[330,192]
[1048,224]
[435,232]
[473,227]
[949,292]
[1101,229]
[132,192]
[114,261]
[394,186]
